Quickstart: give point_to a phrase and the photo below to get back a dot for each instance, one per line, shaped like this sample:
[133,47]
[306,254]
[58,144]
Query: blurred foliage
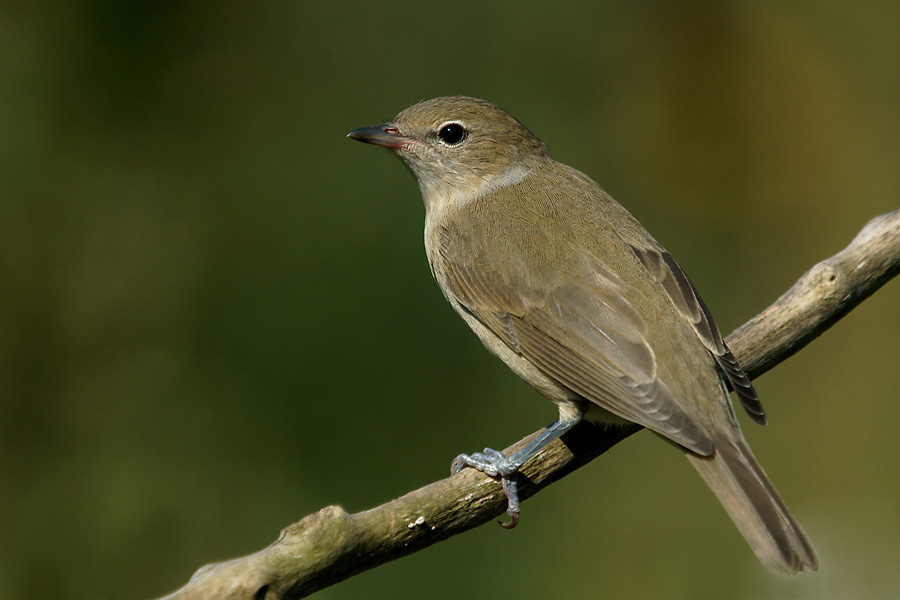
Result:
[216,315]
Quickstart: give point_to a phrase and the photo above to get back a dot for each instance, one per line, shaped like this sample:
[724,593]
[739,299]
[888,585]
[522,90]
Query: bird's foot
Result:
[495,464]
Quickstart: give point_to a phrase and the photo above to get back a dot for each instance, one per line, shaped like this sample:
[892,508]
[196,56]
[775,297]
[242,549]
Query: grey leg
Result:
[493,462]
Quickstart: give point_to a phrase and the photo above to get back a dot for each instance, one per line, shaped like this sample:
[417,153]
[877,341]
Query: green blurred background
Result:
[216,314]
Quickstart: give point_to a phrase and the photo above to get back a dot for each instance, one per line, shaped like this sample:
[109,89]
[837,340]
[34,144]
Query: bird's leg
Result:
[494,463]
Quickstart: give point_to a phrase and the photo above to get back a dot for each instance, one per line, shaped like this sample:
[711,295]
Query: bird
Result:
[568,289]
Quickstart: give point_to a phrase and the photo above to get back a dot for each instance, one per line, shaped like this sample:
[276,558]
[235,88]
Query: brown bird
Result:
[574,295]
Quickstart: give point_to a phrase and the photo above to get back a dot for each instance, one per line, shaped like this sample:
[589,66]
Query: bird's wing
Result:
[665,271]
[584,335]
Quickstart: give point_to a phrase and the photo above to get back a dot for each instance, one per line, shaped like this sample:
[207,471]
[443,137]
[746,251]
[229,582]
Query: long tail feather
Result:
[756,508]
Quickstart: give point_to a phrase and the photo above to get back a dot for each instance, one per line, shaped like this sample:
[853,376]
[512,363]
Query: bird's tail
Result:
[756,508]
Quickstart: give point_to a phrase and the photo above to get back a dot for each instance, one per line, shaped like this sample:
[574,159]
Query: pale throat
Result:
[439,195]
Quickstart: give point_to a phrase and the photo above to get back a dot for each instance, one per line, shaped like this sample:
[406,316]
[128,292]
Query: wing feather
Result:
[587,337]
[683,295]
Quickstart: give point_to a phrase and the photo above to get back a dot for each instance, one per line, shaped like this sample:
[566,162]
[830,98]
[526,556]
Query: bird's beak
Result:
[381,135]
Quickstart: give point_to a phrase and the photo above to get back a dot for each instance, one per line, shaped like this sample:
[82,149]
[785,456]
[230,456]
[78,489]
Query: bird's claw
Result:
[494,464]
[490,462]
[511,489]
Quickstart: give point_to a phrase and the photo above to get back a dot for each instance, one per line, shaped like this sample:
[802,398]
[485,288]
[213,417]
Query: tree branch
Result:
[328,546]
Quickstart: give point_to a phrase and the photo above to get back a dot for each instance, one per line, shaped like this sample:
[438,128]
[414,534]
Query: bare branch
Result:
[331,545]
[822,296]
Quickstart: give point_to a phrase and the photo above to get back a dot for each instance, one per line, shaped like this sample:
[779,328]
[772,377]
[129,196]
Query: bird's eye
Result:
[452,134]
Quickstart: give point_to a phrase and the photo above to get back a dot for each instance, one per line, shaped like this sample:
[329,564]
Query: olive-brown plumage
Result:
[568,289]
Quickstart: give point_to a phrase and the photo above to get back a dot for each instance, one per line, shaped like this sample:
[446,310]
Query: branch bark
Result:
[331,545]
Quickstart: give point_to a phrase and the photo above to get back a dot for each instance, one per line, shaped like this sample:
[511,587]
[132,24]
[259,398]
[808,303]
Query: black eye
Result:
[452,133]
